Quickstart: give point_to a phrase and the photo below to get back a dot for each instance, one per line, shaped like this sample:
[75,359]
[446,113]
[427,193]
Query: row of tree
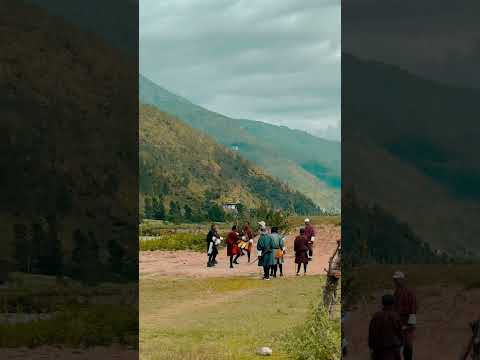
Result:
[155,209]
[38,250]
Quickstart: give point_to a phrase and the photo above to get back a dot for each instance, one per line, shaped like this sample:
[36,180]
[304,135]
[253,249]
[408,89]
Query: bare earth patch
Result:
[194,264]
[442,322]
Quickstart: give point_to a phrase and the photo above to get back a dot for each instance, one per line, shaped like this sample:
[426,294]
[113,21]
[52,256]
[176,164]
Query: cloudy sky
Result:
[276,61]
[437,39]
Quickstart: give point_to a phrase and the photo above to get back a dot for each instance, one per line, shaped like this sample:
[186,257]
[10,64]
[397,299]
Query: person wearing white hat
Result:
[265,253]
[406,307]
[310,235]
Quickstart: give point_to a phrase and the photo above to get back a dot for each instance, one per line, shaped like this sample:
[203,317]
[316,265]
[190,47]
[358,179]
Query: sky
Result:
[436,39]
[276,61]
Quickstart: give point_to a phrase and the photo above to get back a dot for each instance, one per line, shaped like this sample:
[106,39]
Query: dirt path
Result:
[442,330]
[193,264]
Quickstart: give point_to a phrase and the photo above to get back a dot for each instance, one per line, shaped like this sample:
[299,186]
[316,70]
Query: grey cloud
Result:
[437,39]
[270,60]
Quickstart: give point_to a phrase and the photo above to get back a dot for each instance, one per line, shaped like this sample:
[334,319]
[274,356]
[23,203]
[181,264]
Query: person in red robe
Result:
[248,233]
[385,332]
[232,246]
[310,235]
[300,246]
[406,307]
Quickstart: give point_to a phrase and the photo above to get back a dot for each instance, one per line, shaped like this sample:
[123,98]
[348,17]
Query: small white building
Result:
[231,206]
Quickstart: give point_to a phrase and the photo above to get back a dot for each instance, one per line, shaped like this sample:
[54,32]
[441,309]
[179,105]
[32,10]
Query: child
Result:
[300,246]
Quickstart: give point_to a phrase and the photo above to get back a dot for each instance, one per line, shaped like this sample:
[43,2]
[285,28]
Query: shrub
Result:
[318,339]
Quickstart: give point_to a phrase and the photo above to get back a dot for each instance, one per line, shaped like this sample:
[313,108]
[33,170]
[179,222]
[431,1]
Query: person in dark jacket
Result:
[300,246]
[213,240]
[385,332]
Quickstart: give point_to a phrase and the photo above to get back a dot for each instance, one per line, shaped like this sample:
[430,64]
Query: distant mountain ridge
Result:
[181,164]
[307,163]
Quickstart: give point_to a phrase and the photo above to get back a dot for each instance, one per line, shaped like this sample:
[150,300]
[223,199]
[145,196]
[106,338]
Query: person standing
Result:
[278,249]
[265,251]
[474,343]
[248,233]
[310,235]
[232,246]
[300,246]
[213,240]
[406,307]
[385,332]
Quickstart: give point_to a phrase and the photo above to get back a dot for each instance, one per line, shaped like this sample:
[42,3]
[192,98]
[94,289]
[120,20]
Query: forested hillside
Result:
[309,164]
[409,125]
[185,171]
[57,214]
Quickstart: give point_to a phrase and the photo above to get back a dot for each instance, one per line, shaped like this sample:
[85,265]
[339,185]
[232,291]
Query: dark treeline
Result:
[37,249]
[372,235]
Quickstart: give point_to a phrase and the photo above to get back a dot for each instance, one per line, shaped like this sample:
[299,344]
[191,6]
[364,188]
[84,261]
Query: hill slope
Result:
[421,132]
[185,165]
[309,164]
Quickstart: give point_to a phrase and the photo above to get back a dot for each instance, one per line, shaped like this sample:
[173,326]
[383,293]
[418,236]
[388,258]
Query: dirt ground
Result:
[50,352]
[442,322]
[194,264]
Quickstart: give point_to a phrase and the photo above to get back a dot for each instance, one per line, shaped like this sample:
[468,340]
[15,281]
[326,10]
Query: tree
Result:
[215,213]
[149,214]
[188,213]
[23,247]
[158,209]
[175,213]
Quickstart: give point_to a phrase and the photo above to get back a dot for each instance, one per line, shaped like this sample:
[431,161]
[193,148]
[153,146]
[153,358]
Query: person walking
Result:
[278,250]
[406,307]
[232,246]
[310,235]
[213,240]
[300,246]
[385,332]
[265,251]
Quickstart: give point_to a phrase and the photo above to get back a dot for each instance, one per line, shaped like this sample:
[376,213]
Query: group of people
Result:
[392,329]
[238,244]
[270,247]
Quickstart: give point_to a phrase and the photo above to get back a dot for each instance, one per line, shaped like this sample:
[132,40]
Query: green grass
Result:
[159,227]
[224,318]
[76,326]
[316,220]
[179,241]
[80,315]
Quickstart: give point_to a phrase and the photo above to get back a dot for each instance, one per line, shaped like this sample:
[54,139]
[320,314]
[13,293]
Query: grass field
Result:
[87,315]
[160,227]
[222,318]
[315,220]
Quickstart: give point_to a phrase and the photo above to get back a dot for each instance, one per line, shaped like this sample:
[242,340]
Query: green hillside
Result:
[181,164]
[308,164]
[423,134]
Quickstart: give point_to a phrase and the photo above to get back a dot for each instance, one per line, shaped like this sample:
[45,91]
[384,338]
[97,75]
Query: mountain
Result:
[423,134]
[307,163]
[182,164]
